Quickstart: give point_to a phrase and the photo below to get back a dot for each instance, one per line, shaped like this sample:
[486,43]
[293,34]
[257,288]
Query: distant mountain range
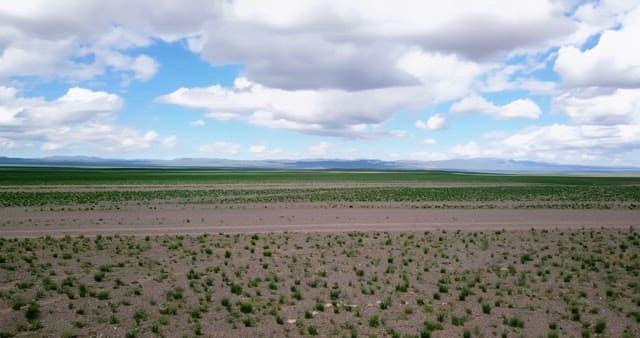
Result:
[490,165]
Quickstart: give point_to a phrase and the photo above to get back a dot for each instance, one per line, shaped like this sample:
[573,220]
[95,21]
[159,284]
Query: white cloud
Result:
[262,150]
[197,123]
[220,148]
[319,149]
[258,149]
[356,44]
[613,62]
[170,141]
[323,112]
[82,40]
[560,143]
[503,77]
[311,44]
[80,118]
[605,126]
[77,105]
[495,135]
[6,143]
[398,133]
[429,141]
[325,67]
[435,122]
[144,67]
[520,108]
[473,150]
[447,75]
[604,107]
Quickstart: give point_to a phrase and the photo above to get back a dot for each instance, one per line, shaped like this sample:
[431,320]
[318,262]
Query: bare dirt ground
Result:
[520,283]
[199,219]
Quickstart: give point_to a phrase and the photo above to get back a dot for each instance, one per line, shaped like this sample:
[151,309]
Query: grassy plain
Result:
[22,176]
[536,279]
[27,187]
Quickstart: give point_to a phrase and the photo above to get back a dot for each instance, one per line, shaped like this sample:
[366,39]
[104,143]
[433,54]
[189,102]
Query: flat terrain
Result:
[527,283]
[300,218]
[164,252]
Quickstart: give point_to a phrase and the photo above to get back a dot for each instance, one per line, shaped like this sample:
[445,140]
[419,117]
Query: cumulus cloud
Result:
[323,112]
[605,125]
[81,117]
[220,148]
[583,141]
[82,40]
[435,122]
[356,44]
[613,62]
[558,143]
[144,67]
[508,77]
[473,150]
[619,106]
[520,108]
[310,44]
[77,105]
[447,75]
[330,68]
[262,150]
[319,149]
[570,143]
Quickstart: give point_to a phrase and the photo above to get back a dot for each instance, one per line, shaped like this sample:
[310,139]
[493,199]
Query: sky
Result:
[542,80]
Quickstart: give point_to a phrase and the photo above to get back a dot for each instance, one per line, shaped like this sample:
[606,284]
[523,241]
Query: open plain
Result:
[187,252]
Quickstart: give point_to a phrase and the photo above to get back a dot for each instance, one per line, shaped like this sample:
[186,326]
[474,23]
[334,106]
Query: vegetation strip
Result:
[550,196]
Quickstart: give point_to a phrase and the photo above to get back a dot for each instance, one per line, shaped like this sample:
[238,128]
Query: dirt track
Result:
[240,186]
[198,220]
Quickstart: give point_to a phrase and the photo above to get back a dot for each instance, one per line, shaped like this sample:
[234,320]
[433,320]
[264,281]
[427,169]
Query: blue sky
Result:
[547,80]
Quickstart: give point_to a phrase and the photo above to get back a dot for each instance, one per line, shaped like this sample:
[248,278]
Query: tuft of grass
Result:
[374,321]
[33,311]
[601,325]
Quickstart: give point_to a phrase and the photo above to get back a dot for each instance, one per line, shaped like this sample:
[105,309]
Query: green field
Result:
[90,176]
[519,191]
[521,197]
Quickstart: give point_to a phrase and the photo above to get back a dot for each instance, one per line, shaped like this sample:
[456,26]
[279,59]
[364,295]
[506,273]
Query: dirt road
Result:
[202,219]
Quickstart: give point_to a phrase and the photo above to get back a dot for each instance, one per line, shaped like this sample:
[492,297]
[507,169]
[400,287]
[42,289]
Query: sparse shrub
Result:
[515,321]
[313,330]
[236,288]
[99,276]
[457,320]
[246,307]
[249,321]
[103,295]
[33,311]
[601,325]
[374,321]
[140,316]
